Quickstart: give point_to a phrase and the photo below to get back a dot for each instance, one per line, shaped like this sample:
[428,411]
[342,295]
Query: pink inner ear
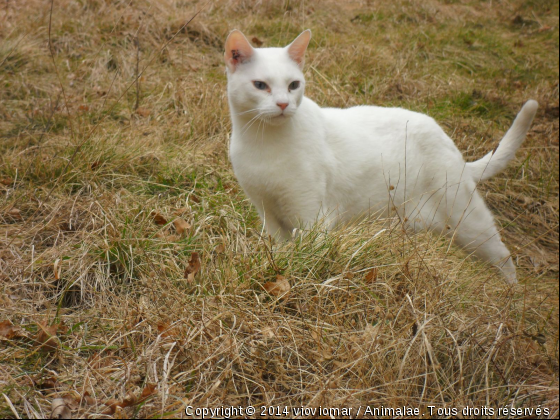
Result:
[297,49]
[238,49]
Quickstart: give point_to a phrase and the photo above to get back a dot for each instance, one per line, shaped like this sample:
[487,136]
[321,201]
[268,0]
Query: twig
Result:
[137,42]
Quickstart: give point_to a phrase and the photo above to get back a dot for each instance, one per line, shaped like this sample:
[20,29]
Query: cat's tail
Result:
[497,160]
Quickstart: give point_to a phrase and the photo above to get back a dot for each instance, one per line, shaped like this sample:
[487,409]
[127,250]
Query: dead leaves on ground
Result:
[60,409]
[182,227]
[279,288]
[165,329]
[143,112]
[7,181]
[371,276]
[47,339]
[193,267]
[9,331]
[158,218]
[116,406]
[14,214]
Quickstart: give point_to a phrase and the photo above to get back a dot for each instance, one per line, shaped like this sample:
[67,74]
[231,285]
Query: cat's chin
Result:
[278,120]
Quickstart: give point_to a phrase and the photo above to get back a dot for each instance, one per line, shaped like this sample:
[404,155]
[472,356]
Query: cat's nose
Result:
[282,105]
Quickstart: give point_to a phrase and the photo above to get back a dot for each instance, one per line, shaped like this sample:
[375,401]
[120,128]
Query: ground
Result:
[135,279]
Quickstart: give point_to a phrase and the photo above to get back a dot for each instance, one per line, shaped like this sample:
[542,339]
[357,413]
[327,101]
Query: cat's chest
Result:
[265,168]
[263,165]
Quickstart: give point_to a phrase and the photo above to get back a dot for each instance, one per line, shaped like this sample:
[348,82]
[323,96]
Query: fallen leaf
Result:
[48,383]
[15,214]
[158,218]
[57,268]
[281,287]
[181,226]
[9,331]
[60,409]
[326,353]
[87,399]
[120,413]
[149,390]
[231,188]
[193,267]
[46,337]
[194,198]
[164,329]
[143,112]
[113,404]
[315,336]
[7,181]
[371,276]
[95,164]
[83,108]
[267,332]
[6,329]
[180,211]
[348,275]
[371,333]
[256,41]
[115,407]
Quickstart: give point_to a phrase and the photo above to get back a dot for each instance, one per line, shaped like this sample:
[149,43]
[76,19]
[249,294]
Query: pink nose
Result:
[282,105]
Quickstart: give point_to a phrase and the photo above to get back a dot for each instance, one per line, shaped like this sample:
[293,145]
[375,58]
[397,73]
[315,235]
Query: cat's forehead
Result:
[272,63]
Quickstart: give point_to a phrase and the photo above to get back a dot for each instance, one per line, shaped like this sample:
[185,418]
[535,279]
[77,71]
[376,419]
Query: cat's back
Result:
[387,129]
[381,119]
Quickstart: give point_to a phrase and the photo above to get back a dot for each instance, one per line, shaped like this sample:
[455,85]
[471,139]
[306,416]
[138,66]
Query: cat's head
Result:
[265,83]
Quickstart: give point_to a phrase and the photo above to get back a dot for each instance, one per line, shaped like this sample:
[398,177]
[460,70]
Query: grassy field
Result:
[114,178]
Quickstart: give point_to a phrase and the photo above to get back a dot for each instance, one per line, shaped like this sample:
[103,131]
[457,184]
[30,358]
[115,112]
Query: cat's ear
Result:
[297,49]
[238,49]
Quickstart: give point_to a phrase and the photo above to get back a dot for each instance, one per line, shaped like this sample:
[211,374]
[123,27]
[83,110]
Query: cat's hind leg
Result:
[474,230]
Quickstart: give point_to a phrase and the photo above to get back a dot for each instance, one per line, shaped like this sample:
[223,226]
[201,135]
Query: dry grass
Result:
[95,288]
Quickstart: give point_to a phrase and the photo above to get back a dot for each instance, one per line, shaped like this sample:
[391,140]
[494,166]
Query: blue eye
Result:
[260,85]
[294,85]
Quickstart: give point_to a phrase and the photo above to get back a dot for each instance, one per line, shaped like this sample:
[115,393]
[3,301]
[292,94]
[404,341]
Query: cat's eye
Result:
[260,85]
[294,85]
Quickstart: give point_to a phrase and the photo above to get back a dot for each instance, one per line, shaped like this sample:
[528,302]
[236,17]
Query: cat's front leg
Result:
[276,228]
[272,224]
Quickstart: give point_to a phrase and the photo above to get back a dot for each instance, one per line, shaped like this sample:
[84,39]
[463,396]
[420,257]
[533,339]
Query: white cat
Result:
[300,163]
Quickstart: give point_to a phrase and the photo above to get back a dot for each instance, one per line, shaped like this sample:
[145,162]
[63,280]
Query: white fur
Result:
[310,163]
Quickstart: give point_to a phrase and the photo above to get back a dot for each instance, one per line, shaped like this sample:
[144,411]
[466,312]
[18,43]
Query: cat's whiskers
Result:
[250,123]
[261,122]
[248,111]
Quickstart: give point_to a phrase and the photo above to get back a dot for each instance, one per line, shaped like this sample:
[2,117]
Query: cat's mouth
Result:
[280,118]
[283,115]
[275,118]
